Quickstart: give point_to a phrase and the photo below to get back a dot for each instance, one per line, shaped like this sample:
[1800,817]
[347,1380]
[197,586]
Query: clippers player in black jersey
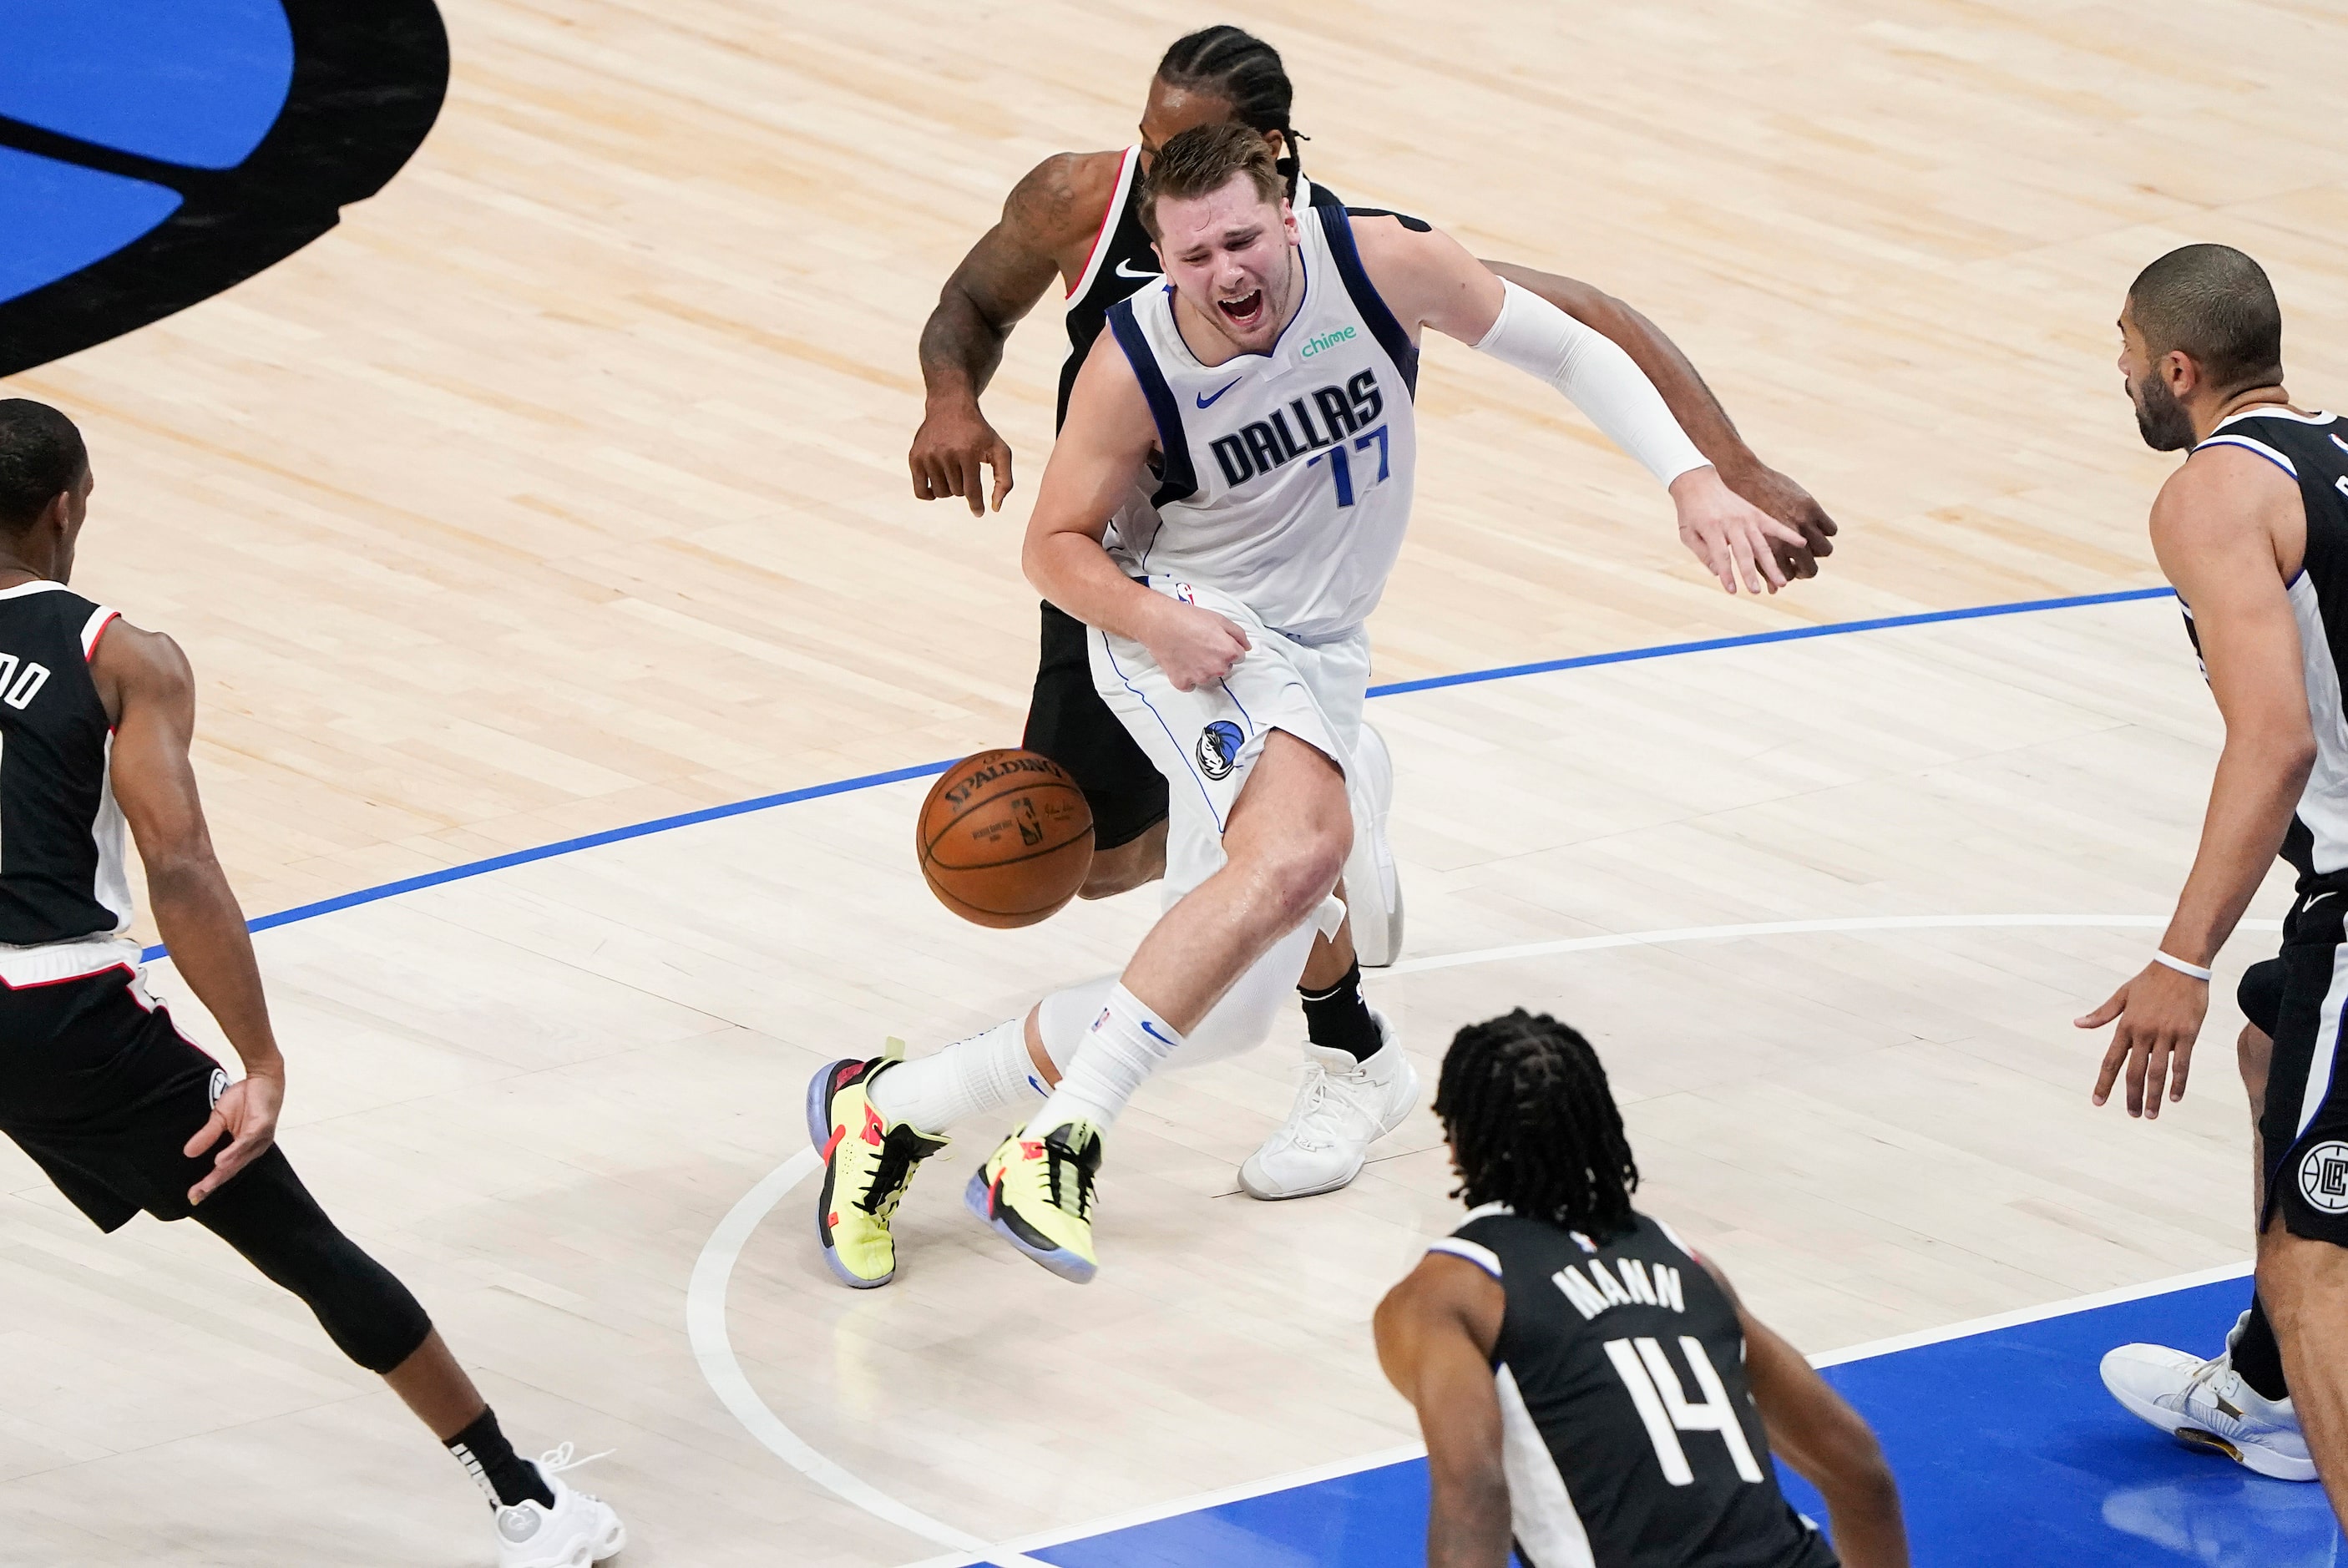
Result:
[2253,532]
[1075,216]
[95,1085]
[1592,1392]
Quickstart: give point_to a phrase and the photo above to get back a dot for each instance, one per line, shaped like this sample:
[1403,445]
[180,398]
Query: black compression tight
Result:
[270,1217]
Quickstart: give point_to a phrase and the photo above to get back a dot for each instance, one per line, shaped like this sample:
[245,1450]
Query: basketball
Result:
[1005,838]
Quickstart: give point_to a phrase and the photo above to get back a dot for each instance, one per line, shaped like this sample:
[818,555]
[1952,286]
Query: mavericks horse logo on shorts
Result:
[1219,748]
[2323,1177]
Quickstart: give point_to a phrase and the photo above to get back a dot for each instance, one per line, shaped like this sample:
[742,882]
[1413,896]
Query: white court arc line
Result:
[713,1347]
[713,1270]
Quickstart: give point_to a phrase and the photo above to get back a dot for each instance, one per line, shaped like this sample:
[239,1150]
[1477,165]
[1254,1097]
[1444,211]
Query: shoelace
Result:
[553,1461]
[892,1176]
[2203,1376]
[1325,1111]
[561,1457]
[1055,1157]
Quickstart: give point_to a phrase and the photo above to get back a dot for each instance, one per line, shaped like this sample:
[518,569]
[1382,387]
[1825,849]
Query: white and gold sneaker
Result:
[2205,1405]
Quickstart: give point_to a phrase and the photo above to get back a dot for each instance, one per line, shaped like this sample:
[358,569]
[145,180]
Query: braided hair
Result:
[1245,72]
[1533,1125]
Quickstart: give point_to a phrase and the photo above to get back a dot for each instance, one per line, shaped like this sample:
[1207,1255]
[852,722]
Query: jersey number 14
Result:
[1663,1404]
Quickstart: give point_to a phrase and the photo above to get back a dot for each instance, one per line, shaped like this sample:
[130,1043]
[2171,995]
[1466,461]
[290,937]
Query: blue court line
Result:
[1751,639]
[930,769]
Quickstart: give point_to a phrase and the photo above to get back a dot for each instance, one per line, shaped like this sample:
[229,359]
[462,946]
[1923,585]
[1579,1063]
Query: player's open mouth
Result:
[1243,312]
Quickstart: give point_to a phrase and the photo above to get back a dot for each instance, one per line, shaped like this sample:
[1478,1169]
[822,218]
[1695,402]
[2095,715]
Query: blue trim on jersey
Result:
[1338,230]
[1177,480]
[2252,444]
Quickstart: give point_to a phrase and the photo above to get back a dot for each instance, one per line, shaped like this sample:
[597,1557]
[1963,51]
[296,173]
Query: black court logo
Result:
[1219,748]
[2323,1177]
[154,153]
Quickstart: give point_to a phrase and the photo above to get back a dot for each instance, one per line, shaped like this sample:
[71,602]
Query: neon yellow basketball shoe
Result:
[868,1163]
[1037,1194]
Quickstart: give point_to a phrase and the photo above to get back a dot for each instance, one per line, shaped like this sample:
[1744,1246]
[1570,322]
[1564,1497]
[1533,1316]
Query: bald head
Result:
[2213,305]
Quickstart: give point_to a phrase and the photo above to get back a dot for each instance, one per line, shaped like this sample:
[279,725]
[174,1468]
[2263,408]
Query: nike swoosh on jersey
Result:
[1125,270]
[1205,400]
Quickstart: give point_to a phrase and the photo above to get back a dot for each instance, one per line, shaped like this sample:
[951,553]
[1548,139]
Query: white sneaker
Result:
[2205,1405]
[1373,885]
[1343,1107]
[580,1529]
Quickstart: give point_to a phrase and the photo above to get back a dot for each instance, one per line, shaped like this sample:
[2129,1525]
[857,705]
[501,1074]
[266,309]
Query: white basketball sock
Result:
[988,1073]
[1126,1044]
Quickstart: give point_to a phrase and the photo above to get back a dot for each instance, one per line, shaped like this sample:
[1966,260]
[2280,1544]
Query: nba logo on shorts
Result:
[1219,748]
[2323,1177]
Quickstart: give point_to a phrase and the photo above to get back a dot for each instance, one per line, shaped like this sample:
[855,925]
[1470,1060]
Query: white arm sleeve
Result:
[1592,370]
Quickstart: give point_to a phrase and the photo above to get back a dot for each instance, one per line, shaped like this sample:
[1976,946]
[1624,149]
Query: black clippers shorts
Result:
[99,1087]
[2298,998]
[1067,722]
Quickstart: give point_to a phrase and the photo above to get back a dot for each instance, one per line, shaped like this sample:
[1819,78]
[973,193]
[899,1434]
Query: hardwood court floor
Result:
[536,1093]
[562,487]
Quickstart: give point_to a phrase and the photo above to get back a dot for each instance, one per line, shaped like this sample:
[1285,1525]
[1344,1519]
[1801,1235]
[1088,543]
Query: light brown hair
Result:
[1202,161]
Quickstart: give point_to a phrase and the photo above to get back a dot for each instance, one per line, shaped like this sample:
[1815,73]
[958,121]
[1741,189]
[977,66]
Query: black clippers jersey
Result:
[1628,1433]
[2312,448]
[61,868]
[1122,261]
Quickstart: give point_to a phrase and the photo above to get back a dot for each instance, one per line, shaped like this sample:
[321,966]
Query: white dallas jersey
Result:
[1284,478]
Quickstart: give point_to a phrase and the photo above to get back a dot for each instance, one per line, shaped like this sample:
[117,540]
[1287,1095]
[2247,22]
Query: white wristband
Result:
[2179,965]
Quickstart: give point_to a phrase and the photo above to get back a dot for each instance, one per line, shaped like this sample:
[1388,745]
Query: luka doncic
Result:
[1592,1393]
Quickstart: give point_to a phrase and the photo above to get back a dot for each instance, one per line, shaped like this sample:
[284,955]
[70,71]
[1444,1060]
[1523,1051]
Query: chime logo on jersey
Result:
[1324,418]
[2323,1177]
[1219,748]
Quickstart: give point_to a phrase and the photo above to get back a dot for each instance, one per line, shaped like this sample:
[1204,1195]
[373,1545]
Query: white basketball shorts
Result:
[1207,741]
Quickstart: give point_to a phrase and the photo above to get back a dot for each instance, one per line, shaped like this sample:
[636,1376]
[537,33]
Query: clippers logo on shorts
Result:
[219,1084]
[1219,748]
[2323,1177]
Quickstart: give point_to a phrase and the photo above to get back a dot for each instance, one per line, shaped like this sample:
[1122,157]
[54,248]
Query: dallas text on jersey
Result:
[1263,445]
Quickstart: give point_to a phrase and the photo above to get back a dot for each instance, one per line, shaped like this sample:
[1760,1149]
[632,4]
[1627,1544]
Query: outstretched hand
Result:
[951,450]
[2159,1013]
[1734,538]
[246,1112]
[1792,505]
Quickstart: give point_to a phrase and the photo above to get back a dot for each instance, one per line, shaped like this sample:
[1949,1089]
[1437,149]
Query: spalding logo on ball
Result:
[1005,838]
